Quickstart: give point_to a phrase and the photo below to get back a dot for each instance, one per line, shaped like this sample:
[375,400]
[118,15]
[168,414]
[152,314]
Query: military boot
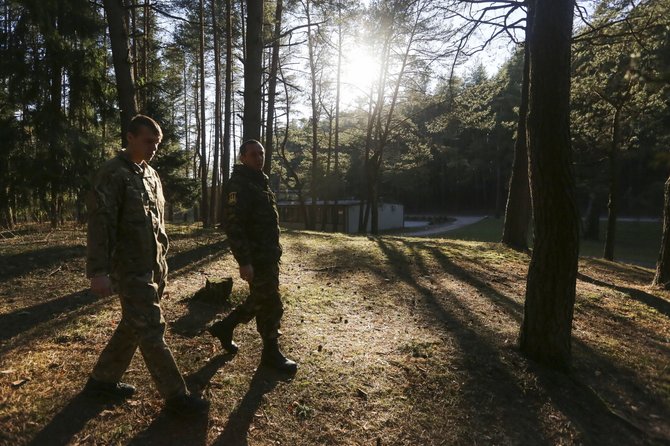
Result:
[273,357]
[103,389]
[223,330]
[187,405]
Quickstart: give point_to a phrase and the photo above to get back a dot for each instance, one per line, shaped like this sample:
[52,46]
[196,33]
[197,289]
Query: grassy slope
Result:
[636,242]
[400,341]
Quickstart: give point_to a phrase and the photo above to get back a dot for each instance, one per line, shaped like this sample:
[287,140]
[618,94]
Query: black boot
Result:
[273,357]
[223,330]
[187,405]
[108,390]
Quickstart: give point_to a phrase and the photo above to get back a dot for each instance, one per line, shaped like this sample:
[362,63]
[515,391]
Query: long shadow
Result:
[655,302]
[199,380]
[498,387]
[237,429]
[18,321]
[198,315]
[186,258]
[69,421]
[167,429]
[69,306]
[495,407]
[16,265]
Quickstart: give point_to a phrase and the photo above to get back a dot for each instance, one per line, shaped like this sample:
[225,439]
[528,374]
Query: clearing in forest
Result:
[399,340]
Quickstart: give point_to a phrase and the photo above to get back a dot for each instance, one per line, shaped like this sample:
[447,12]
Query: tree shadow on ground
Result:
[69,421]
[511,410]
[18,321]
[16,265]
[196,256]
[44,318]
[659,304]
[236,431]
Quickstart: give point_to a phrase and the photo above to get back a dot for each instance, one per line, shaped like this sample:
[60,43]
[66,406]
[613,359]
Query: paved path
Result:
[446,227]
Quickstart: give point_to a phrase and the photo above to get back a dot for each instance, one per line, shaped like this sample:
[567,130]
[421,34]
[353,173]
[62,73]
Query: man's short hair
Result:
[144,121]
[246,144]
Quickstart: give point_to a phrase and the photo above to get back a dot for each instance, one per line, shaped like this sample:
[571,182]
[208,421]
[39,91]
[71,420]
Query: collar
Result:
[252,174]
[137,168]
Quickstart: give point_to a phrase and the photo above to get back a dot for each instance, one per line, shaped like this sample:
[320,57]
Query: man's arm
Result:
[104,204]
[237,208]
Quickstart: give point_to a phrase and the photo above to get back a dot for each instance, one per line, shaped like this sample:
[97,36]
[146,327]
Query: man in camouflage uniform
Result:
[127,245]
[252,226]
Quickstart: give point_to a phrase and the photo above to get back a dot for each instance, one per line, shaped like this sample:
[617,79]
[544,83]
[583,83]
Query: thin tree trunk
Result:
[204,211]
[253,72]
[272,89]
[315,118]
[336,147]
[213,217]
[125,84]
[517,212]
[550,291]
[612,205]
[662,276]
[227,101]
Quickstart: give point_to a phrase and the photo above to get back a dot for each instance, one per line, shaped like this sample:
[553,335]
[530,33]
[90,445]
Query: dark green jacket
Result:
[126,227]
[251,220]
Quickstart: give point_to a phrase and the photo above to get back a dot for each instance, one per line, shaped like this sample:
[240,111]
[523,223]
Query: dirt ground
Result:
[400,341]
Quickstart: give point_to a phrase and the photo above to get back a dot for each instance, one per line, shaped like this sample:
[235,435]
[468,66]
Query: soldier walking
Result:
[252,225]
[127,247]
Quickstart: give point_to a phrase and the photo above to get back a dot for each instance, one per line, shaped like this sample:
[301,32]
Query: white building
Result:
[342,216]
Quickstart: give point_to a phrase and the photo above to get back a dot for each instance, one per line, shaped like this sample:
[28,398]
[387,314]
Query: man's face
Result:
[143,146]
[254,157]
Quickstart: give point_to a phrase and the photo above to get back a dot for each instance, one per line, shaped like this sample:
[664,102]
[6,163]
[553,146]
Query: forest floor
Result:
[400,341]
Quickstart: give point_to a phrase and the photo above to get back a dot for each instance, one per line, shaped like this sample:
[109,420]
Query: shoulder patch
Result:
[232,198]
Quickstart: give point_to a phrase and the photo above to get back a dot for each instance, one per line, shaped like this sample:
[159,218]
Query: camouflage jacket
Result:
[251,220]
[126,226]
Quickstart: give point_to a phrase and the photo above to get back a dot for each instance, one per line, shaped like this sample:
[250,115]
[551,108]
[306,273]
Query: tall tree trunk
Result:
[227,101]
[253,71]
[662,276]
[517,213]
[612,205]
[272,89]
[550,291]
[213,205]
[125,84]
[204,211]
[315,118]
[336,147]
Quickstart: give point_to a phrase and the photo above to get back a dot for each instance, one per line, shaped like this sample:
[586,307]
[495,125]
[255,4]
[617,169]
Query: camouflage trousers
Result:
[142,325]
[264,301]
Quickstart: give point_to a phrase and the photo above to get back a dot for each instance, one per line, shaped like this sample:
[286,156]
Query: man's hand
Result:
[101,286]
[247,272]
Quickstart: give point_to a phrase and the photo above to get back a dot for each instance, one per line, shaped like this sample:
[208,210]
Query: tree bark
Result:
[272,90]
[550,291]
[517,212]
[336,147]
[315,118]
[662,276]
[253,71]
[612,205]
[204,211]
[123,70]
[227,102]
[213,204]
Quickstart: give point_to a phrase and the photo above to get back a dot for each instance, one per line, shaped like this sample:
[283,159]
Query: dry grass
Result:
[400,341]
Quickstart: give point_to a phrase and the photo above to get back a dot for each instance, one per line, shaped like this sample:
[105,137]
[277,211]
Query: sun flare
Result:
[360,70]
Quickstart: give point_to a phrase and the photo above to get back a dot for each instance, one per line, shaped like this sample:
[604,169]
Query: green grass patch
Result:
[636,242]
